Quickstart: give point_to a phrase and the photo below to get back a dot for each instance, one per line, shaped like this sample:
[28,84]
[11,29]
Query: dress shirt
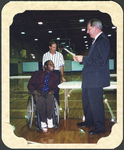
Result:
[56,58]
[97,37]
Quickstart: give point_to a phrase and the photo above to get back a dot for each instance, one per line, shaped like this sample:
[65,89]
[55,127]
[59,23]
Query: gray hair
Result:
[96,22]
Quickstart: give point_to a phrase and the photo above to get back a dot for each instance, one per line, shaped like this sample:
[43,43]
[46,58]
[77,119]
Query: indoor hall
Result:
[68,131]
[30,34]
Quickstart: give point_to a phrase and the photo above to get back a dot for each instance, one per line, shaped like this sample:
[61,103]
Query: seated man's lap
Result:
[45,100]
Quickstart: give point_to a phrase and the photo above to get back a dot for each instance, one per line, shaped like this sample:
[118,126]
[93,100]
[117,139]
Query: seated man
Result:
[43,84]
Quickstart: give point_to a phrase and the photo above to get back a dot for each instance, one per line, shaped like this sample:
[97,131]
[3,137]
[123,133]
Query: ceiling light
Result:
[49,31]
[36,39]
[113,27]
[86,45]
[81,20]
[83,29]
[58,38]
[22,32]
[85,42]
[84,37]
[109,35]
[40,23]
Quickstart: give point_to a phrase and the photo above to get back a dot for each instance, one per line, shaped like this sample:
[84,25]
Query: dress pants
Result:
[93,107]
[46,105]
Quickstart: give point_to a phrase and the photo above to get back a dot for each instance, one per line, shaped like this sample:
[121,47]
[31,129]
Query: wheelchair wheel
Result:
[37,120]
[56,115]
[30,111]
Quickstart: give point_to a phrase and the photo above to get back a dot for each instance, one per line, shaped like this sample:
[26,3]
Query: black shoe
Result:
[96,131]
[83,124]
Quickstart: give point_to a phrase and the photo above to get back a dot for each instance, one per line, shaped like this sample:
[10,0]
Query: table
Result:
[20,77]
[77,85]
[17,78]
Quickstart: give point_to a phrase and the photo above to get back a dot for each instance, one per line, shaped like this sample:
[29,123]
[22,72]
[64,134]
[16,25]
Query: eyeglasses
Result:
[51,64]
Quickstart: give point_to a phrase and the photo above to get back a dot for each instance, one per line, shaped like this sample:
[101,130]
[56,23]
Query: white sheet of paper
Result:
[69,52]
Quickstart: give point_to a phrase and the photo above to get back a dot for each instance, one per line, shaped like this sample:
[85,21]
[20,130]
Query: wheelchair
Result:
[31,109]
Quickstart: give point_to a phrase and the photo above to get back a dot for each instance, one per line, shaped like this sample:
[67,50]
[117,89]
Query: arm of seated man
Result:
[51,92]
[36,94]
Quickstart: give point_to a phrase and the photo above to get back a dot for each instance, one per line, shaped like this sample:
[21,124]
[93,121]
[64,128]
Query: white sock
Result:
[50,123]
[43,125]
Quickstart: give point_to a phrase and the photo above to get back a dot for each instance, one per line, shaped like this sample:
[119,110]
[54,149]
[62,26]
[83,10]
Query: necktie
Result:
[46,83]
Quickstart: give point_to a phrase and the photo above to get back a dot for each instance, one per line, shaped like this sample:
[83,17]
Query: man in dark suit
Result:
[95,76]
[43,84]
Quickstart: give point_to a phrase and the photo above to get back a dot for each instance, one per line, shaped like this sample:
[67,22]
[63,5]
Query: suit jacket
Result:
[95,72]
[36,82]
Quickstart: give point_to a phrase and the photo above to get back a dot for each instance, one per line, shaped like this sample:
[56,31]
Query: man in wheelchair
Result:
[42,85]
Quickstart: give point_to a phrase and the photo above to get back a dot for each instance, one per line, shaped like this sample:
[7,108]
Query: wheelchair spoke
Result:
[29,117]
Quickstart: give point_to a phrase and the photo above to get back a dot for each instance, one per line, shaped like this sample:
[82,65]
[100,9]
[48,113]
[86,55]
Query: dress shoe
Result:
[96,131]
[84,124]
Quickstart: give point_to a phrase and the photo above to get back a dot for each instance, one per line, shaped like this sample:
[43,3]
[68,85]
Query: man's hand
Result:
[36,94]
[74,58]
[78,58]
[63,79]
[62,75]
[51,92]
